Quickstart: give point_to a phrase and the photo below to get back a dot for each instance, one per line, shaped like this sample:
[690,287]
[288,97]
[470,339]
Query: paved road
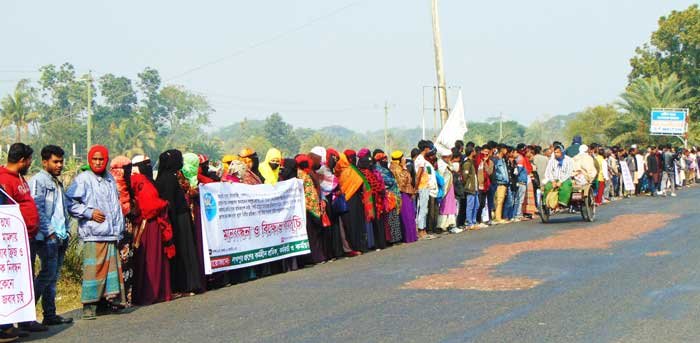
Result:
[643,289]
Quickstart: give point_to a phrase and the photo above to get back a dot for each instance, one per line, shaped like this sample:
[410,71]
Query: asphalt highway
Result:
[631,276]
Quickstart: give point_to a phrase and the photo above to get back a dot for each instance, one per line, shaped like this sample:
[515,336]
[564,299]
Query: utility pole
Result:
[500,130]
[386,126]
[89,110]
[441,88]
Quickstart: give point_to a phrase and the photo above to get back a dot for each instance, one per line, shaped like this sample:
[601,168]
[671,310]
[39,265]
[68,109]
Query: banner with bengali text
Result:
[16,278]
[626,177]
[246,225]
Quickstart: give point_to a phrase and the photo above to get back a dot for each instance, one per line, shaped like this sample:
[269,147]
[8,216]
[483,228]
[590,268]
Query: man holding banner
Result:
[19,224]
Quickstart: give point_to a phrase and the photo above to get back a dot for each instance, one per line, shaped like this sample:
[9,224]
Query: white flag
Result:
[455,127]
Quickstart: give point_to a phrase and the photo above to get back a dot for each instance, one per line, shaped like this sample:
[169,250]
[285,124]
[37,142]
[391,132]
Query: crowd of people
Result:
[141,230]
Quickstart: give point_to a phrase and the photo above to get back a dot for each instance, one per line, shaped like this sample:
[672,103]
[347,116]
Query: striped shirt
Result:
[556,173]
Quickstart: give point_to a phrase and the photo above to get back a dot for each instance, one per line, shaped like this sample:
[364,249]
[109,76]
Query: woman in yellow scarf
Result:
[270,168]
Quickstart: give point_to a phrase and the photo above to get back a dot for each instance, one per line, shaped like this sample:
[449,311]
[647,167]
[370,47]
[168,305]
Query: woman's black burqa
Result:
[185,271]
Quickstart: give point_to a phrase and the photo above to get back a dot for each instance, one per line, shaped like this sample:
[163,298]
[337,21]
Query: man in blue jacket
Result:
[502,180]
[94,201]
[54,224]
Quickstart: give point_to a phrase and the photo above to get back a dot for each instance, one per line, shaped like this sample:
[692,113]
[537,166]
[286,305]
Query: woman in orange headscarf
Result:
[358,196]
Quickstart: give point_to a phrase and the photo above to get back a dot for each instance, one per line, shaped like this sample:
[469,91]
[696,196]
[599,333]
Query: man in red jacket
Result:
[19,159]
[12,181]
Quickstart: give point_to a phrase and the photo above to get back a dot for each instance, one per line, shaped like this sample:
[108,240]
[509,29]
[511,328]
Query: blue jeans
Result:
[518,199]
[490,198]
[616,185]
[472,208]
[51,253]
[508,204]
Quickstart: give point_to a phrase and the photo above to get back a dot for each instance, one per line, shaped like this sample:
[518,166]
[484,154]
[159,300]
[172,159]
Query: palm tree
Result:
[641,97]
[133,135]
[17,109]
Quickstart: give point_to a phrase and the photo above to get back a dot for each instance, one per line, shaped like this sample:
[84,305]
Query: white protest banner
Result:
[626,176]
[16,278]
[246,225]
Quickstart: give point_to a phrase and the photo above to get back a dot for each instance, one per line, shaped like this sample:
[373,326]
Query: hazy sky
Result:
[335,62]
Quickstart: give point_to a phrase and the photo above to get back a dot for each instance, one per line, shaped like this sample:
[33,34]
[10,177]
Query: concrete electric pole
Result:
[441,89]
[89,110]
[387,107]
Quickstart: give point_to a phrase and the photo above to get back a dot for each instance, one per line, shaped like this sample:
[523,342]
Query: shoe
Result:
[482,226]
[515,220]
[56,320]
[13,331]
[456,230]
[33,326]
[90,312]
[353,253]
[673,194]
[6,337]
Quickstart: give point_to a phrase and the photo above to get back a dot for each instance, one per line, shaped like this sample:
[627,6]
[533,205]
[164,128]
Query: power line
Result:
[23,71]
[265,103]
[370,108]
[264,41]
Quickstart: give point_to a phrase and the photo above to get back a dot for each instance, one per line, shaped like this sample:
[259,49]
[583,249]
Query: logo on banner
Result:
[210,208]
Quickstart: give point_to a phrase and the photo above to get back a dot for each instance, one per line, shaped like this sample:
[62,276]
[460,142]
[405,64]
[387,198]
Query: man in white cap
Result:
[584,167]
[141,164]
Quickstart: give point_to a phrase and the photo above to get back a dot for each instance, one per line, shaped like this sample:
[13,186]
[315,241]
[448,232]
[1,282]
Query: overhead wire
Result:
[265,41]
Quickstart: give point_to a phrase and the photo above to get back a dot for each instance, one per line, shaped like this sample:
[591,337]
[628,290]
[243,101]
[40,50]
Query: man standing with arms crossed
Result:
[54,224]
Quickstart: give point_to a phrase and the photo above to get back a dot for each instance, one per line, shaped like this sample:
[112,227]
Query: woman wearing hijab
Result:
[315,209]
[270,168]
[94,200]
[447,219]
[192,173]
[237,172]
[288,171]
[251,159]
[120,168]
[357,192]
[333,241]
[153,237]
[526,153]
[185,269]
[391,219]
[351,155]
[405,185]
[376,232]
[225,162]
[206,175]
[341,246]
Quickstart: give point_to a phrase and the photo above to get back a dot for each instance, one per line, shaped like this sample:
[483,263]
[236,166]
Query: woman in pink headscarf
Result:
[120,168]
